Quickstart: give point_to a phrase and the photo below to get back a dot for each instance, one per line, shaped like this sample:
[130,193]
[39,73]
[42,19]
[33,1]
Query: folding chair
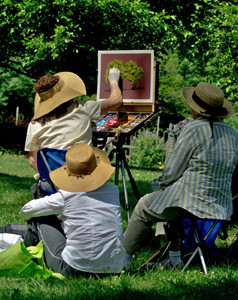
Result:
[202,230]
[206,232]
[199,237]
[49,159]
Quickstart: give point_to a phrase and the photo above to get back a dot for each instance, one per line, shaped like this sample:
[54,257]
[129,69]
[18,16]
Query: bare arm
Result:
[32,157]
[115,99]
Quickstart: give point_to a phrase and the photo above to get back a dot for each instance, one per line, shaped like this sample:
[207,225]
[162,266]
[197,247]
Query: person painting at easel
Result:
[59,121]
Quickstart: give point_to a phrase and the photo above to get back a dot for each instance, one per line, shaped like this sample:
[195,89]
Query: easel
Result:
[119,138]
[121,162]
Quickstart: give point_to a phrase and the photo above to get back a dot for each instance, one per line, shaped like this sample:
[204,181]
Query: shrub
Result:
[147,150]
[233,121]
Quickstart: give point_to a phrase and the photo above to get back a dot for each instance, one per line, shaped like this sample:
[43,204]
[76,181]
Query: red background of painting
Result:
[143,60]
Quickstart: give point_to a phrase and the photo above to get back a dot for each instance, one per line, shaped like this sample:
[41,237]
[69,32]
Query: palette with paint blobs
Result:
[124,122]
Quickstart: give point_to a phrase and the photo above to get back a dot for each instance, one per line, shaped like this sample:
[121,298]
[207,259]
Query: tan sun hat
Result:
[207,100]
[68,87]
[86,169]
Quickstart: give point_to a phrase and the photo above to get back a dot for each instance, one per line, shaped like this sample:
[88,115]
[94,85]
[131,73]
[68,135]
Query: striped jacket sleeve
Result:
[178,160]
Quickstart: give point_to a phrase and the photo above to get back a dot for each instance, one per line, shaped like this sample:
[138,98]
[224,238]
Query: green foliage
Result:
[170,102]
[16,90]
[171,82]
[128,71]
[193,40]
[206,36]
[223,42]
[233,121]
[57,35]
[147,150]
[45,37]
[87,97]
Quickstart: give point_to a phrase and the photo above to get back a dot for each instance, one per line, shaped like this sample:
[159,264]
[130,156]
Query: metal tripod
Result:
[119,151]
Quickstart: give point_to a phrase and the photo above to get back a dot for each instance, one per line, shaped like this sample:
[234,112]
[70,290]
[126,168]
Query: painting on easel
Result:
[136,67]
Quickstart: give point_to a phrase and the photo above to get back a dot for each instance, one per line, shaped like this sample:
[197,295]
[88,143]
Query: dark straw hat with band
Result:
[207,100]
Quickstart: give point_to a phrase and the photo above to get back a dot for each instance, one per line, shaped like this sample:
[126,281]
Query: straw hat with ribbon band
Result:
[87,168]
[207,100]
[68,87]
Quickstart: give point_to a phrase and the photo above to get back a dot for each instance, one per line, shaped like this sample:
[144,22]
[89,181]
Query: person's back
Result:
[93,228]
[72,127]
[207,169]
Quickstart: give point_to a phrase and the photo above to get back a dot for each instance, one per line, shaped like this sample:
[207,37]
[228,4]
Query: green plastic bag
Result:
[19,260]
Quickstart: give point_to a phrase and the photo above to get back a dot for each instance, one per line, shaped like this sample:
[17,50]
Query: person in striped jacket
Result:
[197,174]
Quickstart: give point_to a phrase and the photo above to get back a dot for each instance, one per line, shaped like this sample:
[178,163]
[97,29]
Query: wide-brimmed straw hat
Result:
[68,87]
[86,169]
[207,100]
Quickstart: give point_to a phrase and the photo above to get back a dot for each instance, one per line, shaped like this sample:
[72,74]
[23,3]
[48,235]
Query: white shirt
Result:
[62,133]
[92,224]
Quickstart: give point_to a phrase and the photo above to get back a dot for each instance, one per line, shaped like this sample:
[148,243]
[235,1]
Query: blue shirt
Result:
[197,174]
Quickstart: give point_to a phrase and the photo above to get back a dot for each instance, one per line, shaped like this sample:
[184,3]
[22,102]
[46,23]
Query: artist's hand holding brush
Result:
[115,98]
[114,75]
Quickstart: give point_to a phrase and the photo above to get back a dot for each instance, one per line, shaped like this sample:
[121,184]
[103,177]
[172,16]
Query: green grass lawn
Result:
[16,177]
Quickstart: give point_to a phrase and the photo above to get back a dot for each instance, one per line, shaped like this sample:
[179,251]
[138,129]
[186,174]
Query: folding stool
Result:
[200,241]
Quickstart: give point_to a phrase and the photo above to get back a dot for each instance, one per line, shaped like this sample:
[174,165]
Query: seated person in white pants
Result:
[196,176]
[91,236]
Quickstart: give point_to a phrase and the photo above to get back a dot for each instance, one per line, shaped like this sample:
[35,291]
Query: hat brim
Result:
[73,86]
[87,183]
[187,93]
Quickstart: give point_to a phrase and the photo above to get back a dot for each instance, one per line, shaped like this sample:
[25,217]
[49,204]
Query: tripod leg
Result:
[132,181]
[126,206]
[117,169]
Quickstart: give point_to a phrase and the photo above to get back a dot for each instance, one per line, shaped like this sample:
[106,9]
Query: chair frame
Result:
[200,242]
[41,155]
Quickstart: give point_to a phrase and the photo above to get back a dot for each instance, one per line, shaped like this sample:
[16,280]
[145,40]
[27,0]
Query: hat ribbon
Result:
[215,111]
[51,92]
[84,174]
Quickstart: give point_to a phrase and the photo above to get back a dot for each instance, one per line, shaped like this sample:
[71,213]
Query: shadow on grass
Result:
[142,186]
[127,287]
[15,182]
[220,283]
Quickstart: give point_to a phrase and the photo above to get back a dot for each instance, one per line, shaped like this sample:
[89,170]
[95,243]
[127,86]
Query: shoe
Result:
[166,264]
